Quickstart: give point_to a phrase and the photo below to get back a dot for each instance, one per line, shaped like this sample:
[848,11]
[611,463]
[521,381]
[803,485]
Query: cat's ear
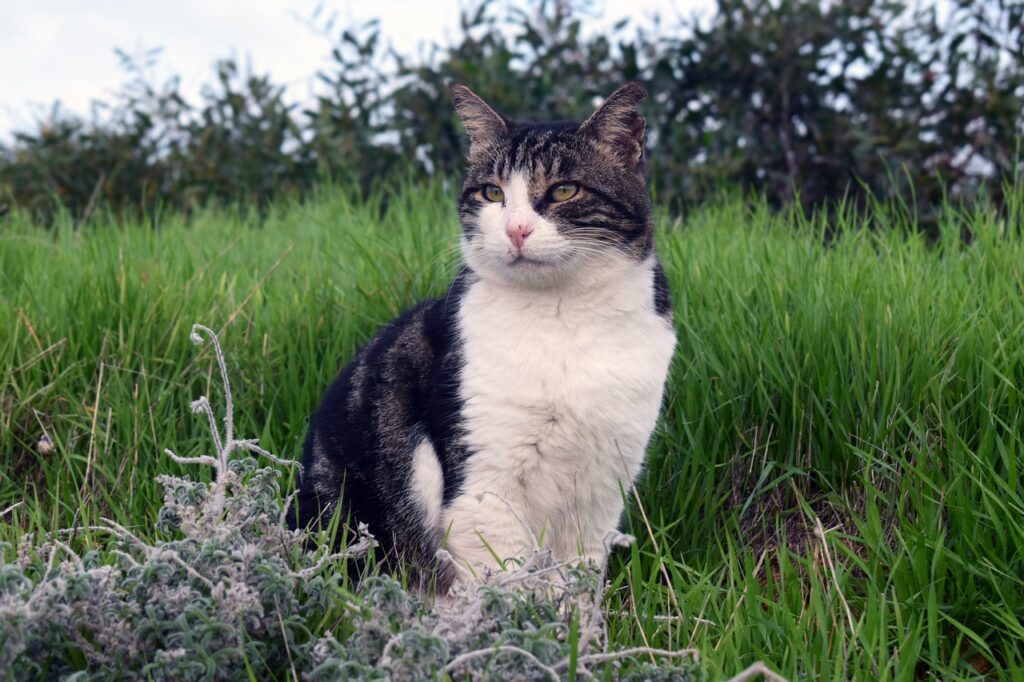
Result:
[484,124]
[619,124]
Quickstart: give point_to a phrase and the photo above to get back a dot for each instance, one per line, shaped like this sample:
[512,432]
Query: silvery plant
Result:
[226,591]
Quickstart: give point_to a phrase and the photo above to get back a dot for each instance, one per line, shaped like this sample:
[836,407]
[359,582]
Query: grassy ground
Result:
[836,486]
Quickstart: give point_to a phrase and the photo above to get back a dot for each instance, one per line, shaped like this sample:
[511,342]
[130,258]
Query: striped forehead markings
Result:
[529,150]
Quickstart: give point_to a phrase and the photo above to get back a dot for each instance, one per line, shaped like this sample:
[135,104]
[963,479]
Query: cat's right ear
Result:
[484,124]
[618,124]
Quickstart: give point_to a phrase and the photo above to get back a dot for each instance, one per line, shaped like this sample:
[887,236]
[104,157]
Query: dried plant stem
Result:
[352,552]
[820,532]
[469,656]
[209,461]
[149,551]
[739,602]
[227,443]
[14,506]
[71,553]
[627,653]
[756,669]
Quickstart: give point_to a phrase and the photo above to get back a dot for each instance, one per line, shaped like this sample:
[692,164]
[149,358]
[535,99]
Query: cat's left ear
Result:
[619,124]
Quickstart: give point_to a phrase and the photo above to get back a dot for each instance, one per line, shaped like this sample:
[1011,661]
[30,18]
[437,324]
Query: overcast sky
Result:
[64,49]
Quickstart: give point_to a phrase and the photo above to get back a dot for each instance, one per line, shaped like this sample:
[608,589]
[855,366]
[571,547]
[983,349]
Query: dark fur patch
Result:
[402,387]
[662,294]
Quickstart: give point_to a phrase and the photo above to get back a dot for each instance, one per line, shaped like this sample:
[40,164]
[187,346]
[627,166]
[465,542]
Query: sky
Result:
[64,49]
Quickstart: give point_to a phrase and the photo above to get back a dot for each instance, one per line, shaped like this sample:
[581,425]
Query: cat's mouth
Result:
[536,267]
[526,261]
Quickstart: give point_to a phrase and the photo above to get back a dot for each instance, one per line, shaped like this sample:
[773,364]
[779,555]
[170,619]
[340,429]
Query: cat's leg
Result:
[412,493]
[319,487]
[485,532]
[595,547]
[600,529]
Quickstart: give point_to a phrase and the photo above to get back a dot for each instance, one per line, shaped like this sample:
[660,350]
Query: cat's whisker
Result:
[448,253]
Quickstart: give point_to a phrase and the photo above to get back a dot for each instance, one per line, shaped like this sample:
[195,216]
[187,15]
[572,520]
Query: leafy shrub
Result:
[791,98]
[818,99]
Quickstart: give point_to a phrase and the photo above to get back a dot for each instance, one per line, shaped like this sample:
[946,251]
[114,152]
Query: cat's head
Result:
[551,204]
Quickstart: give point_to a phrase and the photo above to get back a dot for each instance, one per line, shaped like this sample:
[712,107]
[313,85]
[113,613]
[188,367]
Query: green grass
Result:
[873,386]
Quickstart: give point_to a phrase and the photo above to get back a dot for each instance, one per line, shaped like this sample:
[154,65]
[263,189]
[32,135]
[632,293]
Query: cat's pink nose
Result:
[518,234]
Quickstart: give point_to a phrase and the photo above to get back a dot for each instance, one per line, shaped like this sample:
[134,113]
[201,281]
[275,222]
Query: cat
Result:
[517,408]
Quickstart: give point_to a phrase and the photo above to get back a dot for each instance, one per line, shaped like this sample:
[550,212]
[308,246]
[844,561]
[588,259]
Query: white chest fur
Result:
[561,392]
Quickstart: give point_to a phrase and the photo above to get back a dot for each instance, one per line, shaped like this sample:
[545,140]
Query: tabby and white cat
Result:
[516,408]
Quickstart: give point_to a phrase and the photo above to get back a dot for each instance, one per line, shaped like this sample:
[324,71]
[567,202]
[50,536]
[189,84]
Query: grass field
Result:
[835,488]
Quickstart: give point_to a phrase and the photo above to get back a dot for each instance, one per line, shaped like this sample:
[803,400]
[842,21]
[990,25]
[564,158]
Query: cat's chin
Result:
[534,275]
[537,274]
[566,271]
[525,266]
[522,261]
[524,272]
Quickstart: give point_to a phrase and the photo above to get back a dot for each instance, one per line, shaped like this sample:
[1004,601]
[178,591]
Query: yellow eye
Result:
[493,193]
[564,191]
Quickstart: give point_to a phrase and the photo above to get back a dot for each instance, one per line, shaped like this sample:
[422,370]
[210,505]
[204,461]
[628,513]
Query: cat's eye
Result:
[493,193]
[564,191]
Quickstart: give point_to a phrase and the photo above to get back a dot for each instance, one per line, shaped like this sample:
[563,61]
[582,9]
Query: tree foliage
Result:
[797,99]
